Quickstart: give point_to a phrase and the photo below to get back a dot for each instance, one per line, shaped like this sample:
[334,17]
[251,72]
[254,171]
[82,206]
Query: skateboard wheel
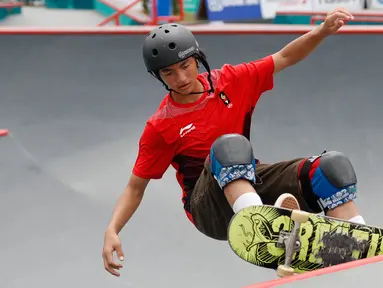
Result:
[300,216]
[284,271]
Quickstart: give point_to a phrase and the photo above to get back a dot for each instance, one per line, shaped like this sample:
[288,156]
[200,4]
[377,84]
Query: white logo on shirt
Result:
[185,130]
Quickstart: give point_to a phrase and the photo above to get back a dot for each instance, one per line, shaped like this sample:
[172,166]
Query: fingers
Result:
[338,16]
[340,13]
[343,11]
[336,19]
[111,268]
[120,253]
[346,12]
[339,23]
[111,244]
[109,264]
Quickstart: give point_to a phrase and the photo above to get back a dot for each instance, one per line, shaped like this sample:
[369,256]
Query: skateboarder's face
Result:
[182,76]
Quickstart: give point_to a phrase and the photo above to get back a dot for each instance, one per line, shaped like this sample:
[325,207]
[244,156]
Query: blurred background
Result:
[140,12]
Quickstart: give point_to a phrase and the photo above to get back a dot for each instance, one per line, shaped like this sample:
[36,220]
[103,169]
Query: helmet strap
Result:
[207,67]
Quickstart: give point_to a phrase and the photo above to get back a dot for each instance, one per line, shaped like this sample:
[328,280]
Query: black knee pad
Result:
[231,158]
[332,182]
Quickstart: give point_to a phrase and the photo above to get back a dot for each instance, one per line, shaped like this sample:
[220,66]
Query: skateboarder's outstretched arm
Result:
[126,205]
[301,47]
[154,157]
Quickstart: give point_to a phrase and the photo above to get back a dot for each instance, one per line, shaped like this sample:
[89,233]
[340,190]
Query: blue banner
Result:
[233,10]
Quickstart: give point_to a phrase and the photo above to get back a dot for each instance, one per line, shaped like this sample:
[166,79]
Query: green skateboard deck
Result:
[264,236]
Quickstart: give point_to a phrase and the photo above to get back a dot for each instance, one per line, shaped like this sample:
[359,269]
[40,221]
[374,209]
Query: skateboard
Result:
[292,241]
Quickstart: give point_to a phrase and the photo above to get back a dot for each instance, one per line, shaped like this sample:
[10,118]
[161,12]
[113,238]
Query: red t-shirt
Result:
[180,135]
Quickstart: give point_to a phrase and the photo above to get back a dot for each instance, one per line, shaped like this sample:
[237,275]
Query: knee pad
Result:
[231,158]
[329,180]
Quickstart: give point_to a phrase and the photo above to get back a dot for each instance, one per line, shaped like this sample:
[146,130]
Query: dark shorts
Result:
[211,211]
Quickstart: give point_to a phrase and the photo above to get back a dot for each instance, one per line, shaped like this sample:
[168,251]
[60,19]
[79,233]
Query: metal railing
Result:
[153,20]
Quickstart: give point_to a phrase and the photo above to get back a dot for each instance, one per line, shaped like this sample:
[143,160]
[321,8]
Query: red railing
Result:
[153,20]
[11,4]
[3,132]
[317,18]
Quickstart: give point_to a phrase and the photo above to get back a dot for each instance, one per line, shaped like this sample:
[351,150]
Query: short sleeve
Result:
[154,155]
[254,77]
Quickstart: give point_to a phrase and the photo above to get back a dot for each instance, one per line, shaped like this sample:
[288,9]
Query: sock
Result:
[246,200]
[357,219]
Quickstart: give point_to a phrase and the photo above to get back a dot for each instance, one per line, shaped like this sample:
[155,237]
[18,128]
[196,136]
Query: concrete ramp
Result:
[75,107]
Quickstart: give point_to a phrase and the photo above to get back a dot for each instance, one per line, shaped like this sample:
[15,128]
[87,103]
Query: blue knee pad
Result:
[231,158]
[333,179]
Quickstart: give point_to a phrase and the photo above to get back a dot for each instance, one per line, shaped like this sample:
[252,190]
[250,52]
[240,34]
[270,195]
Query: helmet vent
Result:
[172,45]
[174,25]
[167,31]
[155,52]
[154,35]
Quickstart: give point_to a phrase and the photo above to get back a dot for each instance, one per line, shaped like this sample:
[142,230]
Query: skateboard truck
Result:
[283,241]
[291,243]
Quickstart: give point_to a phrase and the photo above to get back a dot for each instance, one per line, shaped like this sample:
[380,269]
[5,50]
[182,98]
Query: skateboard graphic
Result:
[297,241]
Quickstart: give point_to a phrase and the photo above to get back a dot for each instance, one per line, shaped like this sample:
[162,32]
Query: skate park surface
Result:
[75,107]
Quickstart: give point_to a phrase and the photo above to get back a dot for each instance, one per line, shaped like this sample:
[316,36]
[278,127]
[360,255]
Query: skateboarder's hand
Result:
[335,19]
[112,244]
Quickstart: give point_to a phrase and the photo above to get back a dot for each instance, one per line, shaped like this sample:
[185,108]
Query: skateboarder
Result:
[202,129]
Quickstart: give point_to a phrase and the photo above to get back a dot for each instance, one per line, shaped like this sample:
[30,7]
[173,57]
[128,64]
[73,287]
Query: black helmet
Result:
[167,45]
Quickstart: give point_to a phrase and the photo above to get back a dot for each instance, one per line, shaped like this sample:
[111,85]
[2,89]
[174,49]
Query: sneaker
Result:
[287,201]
